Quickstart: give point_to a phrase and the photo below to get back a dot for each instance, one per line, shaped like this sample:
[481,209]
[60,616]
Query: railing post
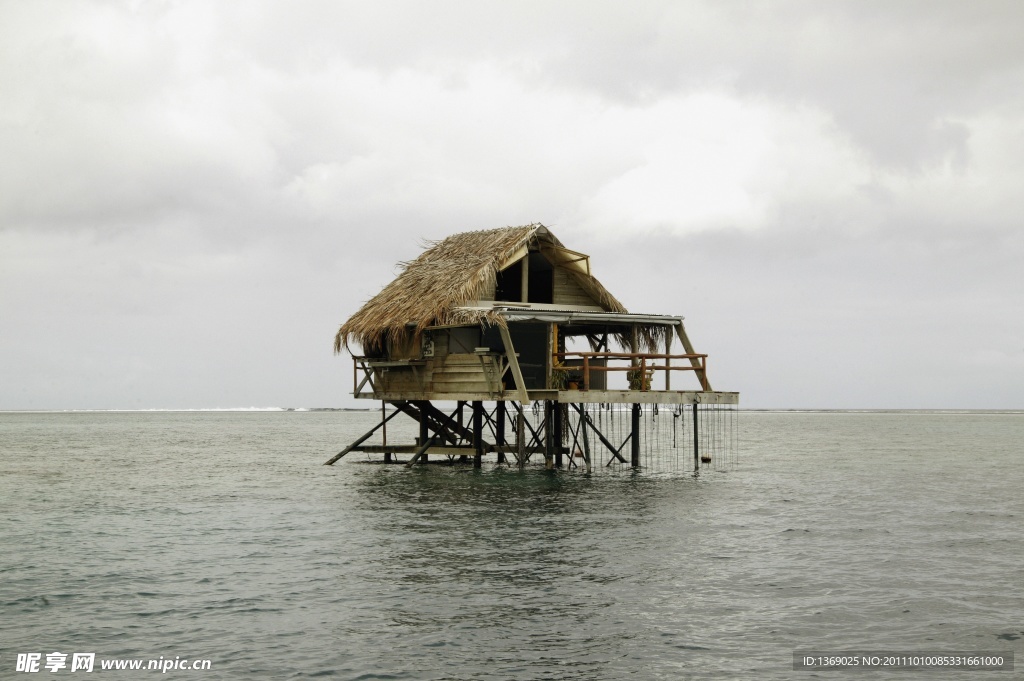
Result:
[644,386]
[586,371]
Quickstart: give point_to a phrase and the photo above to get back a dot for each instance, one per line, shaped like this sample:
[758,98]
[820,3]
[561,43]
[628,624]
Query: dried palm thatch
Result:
[432,289]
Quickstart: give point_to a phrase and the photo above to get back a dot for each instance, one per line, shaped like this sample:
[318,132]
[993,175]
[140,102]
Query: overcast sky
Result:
[194,195]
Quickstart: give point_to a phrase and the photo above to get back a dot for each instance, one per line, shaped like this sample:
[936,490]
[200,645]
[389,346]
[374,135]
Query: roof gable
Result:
[434,288]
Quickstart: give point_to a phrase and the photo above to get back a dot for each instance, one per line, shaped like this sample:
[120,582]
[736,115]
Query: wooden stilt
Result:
[459,405]
[534,435]
[424,441]
[501,416]
[696,441]
[635,444]
[586,441]
[549,461]
[478,433]
[557,434]
[384,431]
[521,437]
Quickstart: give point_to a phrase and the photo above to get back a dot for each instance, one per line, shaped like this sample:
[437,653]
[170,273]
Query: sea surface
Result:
[220,536]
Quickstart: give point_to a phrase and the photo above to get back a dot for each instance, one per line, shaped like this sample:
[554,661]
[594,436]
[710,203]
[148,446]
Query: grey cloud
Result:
[194,195]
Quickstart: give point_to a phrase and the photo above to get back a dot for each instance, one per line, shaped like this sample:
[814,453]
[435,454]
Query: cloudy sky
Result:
[194,195]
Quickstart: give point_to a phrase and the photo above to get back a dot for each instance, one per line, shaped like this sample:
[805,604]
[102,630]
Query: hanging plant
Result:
[639,380]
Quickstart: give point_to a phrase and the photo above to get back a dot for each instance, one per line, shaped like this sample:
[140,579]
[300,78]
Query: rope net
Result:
[666,437]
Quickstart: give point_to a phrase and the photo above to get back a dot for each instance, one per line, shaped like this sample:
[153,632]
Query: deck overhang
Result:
[568,396]
[557,314]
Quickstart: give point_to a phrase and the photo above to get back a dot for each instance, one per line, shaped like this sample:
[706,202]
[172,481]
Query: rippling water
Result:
[220,536]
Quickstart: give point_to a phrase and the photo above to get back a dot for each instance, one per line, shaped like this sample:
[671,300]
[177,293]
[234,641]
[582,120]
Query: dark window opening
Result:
[509,284]
[541,285]
[541,288]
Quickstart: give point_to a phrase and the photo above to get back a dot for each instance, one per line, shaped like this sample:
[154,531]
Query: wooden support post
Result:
[420,453]
[499,430]
[587,421]
[696,441]
[459,406]
[557,434]
[525,282]
[446,426]
[635,444]
[360,441]
[521,437]
[384,431]
[668,361]
[424,434]
[513,362]
[549,461]
[552,360]
[586,440]
[478,433]
[694,362]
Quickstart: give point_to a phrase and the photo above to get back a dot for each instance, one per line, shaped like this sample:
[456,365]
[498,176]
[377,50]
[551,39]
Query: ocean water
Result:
[221,536]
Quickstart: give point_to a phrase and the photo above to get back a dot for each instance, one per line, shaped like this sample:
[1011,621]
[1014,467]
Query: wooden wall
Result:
[568,291]
[462,373]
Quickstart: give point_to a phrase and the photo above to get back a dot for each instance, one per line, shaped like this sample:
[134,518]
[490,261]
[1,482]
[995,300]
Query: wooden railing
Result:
[640,367]
[369,365]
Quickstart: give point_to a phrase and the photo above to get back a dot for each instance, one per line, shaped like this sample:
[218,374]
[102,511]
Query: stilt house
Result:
[498,316]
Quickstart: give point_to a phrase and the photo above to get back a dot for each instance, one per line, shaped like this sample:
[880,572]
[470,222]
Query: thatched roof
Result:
[433,288]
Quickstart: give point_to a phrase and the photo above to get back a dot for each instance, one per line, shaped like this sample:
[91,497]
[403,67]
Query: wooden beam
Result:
[525,283]
[360,440]
[422,451]
[513,361]
[425,416]
[688,346]
[587,421]
[648,397]
[563,257]
[522,252]
[447,421]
